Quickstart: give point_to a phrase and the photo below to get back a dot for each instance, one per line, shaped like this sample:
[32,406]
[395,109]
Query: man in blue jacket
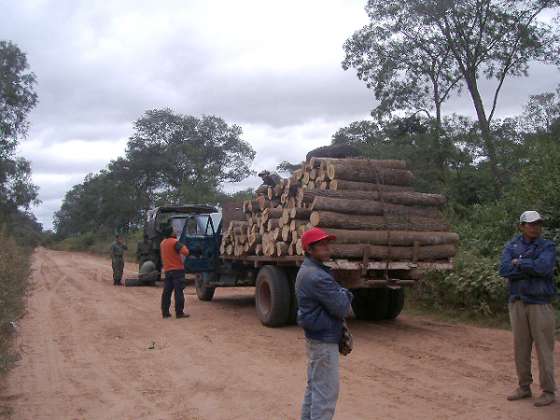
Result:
[322,306]
[528,262]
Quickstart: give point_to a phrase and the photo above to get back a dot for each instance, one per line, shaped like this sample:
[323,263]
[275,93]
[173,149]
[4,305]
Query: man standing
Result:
[322,306]
[117,259]
[172,254]
[528,262]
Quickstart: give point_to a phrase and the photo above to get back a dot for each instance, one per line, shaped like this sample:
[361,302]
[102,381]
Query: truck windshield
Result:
[203,224]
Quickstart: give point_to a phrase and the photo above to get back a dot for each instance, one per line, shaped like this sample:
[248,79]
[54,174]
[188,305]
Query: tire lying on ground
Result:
[205,293]
[272,296]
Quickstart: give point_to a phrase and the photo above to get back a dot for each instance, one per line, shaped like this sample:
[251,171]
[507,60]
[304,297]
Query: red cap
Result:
[315,235]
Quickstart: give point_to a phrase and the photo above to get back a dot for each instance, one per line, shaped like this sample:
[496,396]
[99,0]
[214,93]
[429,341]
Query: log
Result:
[371,207]
[297,223]
[405,198]
[273,224]
[366,222]
[364,174]
[299,213]
[425,253]
[344,185]
[286,233]
[396,237]
[281,249]
[316,162]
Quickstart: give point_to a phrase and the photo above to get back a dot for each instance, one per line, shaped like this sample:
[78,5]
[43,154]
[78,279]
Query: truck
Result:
[378,286]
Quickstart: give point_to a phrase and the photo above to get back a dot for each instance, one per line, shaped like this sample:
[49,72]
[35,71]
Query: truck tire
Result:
[272,296]
[371,304]
[396,303]
[205,293]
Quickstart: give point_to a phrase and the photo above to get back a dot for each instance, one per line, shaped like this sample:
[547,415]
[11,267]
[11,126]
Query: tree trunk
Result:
[395,237]
[317,162]
[344,185]
[371,207]
[360,222]
[367,174]
[423,253]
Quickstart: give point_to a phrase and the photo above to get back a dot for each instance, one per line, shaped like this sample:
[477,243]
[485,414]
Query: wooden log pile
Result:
[369,205]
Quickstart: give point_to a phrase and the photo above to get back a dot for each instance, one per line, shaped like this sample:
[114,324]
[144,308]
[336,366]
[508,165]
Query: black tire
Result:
[272,296]
[292,318]
[396,303]
[205,293]
[371,304]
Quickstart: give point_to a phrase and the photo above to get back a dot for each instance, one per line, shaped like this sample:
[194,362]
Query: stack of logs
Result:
[368,204]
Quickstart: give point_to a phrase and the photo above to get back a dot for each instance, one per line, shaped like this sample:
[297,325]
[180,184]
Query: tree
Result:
[491,38]
[541,112]
[17,98]
[176,154]
[405,65]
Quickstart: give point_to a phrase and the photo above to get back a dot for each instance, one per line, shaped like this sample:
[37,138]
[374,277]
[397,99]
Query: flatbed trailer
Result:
[378,286]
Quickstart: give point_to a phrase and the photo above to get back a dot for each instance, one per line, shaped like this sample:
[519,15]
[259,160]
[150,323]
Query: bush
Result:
[14,272]
[474,287]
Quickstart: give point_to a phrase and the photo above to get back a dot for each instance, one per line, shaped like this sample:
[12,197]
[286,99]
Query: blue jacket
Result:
[532,280]
[322,302]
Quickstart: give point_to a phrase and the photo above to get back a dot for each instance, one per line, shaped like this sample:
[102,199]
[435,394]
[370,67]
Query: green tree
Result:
[494,39]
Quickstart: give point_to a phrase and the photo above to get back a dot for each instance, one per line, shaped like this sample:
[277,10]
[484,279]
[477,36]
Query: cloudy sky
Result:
[272,67]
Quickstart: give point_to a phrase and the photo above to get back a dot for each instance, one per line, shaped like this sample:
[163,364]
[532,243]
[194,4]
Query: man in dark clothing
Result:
[528,262]
[322,306]
[117,259]
[172,254]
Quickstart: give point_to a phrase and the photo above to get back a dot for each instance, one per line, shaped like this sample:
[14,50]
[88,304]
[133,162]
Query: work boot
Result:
[520,393]
[183,315]
[546,398]
[167,315]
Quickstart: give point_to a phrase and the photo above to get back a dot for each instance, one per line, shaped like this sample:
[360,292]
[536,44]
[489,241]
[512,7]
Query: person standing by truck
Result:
[117,259]
[528,262]
[173,253]
[322,307]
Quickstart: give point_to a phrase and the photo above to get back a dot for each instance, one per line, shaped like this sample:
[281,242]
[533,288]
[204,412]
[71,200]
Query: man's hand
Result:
[515,262]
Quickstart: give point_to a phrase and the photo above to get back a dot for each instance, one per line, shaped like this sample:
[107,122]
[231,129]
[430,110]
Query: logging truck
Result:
[377,285]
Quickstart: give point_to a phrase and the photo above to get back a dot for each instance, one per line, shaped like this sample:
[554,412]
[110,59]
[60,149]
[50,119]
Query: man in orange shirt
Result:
[172,255]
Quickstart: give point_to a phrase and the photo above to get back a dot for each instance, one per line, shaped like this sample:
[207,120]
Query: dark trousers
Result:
[174,281]
[118,267]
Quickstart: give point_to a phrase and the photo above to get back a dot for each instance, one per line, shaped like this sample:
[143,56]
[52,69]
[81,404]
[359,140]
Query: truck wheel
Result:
[396,303]
[272,296]
[205,293]
[371,304]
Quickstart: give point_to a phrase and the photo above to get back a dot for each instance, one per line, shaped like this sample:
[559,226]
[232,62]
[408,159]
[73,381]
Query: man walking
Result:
[528,262]
[117,259]
[172,254]
[322,306]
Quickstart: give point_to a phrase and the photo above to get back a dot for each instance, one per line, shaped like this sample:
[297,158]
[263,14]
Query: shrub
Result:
[14,272]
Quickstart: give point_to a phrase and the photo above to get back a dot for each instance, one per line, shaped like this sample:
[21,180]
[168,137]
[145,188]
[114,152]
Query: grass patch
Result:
[15,265]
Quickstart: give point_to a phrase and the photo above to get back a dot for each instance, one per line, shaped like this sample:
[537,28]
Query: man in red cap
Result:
[322,306]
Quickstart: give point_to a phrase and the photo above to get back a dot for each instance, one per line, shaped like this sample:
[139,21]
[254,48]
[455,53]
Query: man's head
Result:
[118,238]
[530,224]
[316,244]
[168,231]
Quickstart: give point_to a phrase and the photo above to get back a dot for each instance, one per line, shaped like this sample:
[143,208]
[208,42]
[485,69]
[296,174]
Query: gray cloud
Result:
[271,67]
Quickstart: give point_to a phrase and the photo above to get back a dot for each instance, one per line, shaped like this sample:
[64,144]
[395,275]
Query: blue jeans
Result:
[321,393]
[174,283]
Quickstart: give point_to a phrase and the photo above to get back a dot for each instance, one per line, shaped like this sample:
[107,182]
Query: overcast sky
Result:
[272,67]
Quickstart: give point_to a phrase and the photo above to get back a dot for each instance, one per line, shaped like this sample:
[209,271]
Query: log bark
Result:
[364,174]
[344,185]
[396,237]
[368,163]
[424,253]
[366,222]
[281,249]
[371,207]
[404,198]
[299,213]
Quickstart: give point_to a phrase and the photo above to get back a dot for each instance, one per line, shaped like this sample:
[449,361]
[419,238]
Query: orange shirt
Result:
[171,250]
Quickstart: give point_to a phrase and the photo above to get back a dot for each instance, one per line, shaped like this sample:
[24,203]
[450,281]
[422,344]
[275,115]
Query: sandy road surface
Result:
[86,354]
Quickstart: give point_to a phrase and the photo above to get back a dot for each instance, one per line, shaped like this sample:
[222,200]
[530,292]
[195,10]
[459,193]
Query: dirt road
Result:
[92,351]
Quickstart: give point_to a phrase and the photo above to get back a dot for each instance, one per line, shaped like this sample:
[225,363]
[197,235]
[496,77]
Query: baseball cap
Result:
[530,216]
